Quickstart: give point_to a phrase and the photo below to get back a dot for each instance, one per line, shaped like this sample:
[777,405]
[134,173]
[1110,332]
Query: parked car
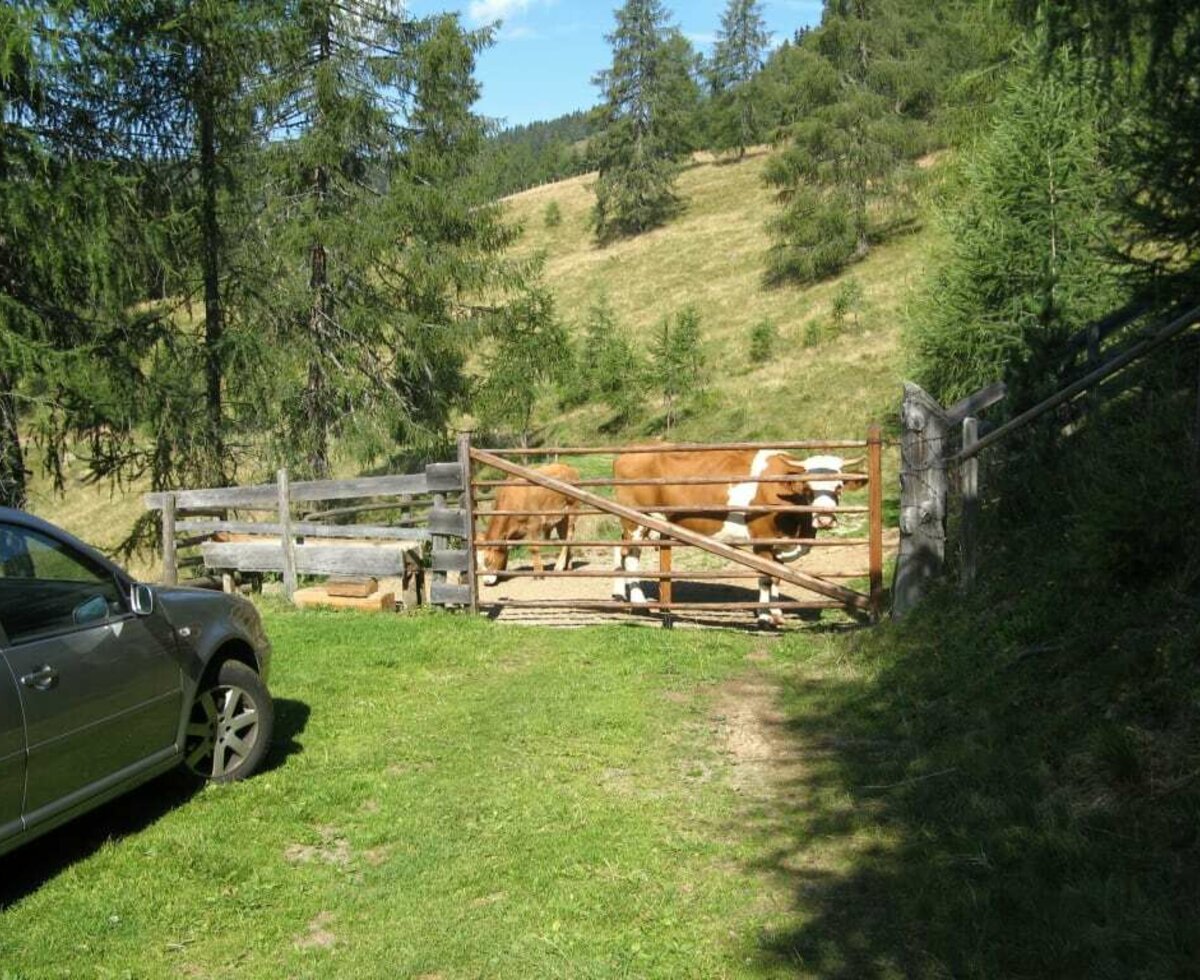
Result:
[106,682]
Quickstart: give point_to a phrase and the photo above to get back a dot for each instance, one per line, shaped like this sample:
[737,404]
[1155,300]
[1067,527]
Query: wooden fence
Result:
[208,528]
[938,444]
[664,537]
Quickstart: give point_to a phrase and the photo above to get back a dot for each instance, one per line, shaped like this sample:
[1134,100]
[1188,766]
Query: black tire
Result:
[229,728]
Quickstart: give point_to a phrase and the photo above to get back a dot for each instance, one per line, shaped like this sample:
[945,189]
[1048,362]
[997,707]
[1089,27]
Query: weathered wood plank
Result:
[468,505]
[287,542]
[448,521]
[444,477]
[969,532]
[309,529]
[170,565]
[445,594]
[352,588]
[976,402]
[264,495]
[310,559]
[450,561]
[316,596]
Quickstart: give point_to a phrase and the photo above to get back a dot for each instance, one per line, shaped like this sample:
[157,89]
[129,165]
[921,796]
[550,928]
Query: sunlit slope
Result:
[823,379]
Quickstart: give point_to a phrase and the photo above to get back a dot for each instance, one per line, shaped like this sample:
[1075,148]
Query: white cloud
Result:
[487,11]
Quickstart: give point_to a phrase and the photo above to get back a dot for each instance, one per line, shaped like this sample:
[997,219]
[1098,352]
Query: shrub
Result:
[763,336]
[847,303]
[552,215]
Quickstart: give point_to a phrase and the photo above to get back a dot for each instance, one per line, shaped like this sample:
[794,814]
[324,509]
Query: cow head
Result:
[822,494]
[489,562]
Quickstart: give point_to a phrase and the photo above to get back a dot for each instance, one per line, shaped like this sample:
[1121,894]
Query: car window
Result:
[46,586]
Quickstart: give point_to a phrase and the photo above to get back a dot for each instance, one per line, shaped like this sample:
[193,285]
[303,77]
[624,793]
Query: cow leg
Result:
[565,534]
[619,583]
[632,564]
[765,616]
[535,554]
[776,613]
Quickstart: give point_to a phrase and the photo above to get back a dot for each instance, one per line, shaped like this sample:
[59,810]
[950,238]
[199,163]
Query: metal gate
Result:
[829,589]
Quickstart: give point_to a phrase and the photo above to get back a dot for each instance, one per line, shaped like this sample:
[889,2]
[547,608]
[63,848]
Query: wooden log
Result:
[170,566]
[286,551]
[875,531]
[352,588]
[922,498]
[319,596]
[618,605]
[441,542]
[468,505]
[672,574]
[969,532]
[444,477]
[448,522]
[976,402]
[665,590]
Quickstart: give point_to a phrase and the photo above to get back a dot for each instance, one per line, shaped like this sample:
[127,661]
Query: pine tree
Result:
[388,250]
[646,121]
[874,80]
[531,354]
[677,362]
[1027,259]
[737,58]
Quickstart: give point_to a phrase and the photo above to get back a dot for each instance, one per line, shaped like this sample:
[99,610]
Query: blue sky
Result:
[547,51]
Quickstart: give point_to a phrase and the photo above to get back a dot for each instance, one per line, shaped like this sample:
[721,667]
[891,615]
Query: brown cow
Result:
[517,496]
[730,526]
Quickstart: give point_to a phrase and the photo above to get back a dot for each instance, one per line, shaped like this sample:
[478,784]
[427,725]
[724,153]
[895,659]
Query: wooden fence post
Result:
[287,542]
[922,497]
[969,532]
[665,592]
[468,506]
[875,517]
[170,564]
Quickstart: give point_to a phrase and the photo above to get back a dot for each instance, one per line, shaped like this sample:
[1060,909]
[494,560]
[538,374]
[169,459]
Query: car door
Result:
[12,754]
[100,691]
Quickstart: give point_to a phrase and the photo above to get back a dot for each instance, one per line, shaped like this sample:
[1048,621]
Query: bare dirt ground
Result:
[820,561]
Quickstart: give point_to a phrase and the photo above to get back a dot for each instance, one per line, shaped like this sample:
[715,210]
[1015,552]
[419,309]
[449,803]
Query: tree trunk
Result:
[13,491]
[214,314]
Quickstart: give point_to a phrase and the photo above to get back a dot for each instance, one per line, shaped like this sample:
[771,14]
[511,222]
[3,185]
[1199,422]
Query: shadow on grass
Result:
[25,870]
[956,809]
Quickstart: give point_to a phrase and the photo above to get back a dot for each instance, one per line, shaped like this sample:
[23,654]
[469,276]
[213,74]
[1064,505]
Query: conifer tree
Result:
[677,362]
[877,73]
[646,121]
[1028,252]
[388,248]
[737,58]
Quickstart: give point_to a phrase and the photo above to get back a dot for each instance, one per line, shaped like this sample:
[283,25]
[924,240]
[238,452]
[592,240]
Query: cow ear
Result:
[797,488]
[855,481]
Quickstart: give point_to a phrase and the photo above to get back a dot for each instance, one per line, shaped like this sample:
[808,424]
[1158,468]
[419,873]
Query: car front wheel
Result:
[229,731]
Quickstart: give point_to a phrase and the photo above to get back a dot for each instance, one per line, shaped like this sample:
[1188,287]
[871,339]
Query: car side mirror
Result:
[141,600]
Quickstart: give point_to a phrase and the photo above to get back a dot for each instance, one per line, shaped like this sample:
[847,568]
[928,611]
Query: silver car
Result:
[106,683]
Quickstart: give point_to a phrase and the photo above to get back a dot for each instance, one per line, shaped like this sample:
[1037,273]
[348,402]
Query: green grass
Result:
[451,799]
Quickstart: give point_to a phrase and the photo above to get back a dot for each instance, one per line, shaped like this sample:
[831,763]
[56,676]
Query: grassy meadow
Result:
[825,378]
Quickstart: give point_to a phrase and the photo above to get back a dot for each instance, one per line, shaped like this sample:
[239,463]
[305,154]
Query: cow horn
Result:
[848,464]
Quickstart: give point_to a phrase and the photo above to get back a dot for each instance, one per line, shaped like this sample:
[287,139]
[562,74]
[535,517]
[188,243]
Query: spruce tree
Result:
[646,121]
[1028,243]
[876,74]
[677,362]
[737,58]
[387,248]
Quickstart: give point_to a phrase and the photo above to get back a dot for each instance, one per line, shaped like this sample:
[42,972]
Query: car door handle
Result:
[42,679]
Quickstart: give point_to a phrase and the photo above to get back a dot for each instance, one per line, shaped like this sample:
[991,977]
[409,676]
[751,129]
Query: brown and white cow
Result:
[503,527]
[729,526]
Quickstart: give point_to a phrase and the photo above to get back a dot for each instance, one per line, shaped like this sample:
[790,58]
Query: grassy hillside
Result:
[823,380]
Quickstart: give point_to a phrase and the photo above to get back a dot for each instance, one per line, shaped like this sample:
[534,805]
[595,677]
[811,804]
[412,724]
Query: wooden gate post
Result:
[170,564]
[286,541]
[875,518]
[468,506]
[922,497]
[969,532]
